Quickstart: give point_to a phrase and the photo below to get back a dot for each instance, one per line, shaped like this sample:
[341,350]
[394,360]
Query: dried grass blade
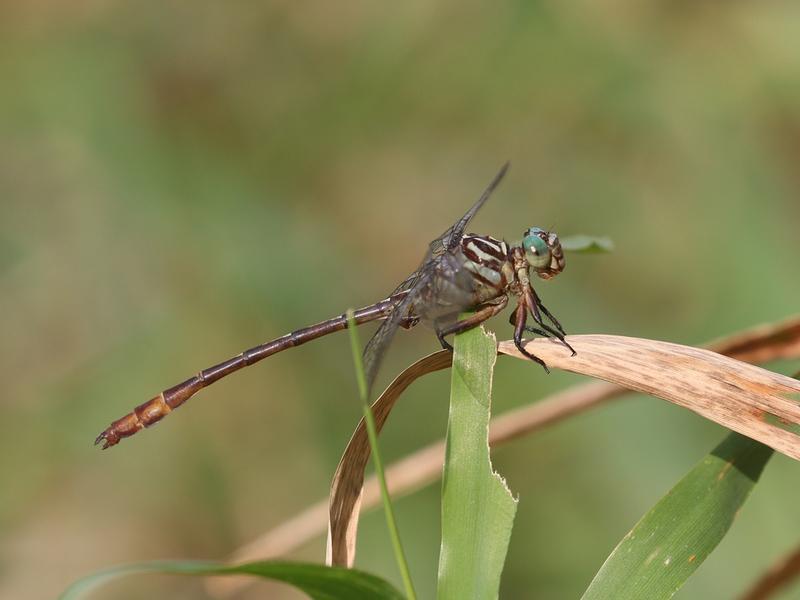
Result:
[347,485]
[760,404]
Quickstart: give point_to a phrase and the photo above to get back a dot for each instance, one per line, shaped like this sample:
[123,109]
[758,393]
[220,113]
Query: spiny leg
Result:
[444,343]
[533,307]
[484,313]
[549,334]
[519,327]
[547,313]
[548,331]
[540,332]
[513,321]
[533,304]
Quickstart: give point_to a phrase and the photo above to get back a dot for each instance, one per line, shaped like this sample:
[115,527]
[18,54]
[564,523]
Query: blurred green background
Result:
[180,181]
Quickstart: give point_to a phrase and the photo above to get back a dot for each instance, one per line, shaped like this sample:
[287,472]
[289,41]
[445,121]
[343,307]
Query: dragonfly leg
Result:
[513,318]
[540,332]
[487,311]
[533,303]
[547,313]
[513,321]
[445,344]
[519,327]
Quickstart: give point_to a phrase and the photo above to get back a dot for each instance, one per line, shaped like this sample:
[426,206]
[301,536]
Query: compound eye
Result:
[536,251]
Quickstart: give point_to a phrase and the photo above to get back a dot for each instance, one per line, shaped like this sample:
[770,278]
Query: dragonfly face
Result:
[543,252]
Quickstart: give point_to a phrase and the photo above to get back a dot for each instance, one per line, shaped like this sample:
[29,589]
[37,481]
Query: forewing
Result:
[379,342]
[447,242]
[451,238]
[409,281]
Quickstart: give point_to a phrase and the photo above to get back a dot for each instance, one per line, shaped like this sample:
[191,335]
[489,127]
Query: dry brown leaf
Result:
[348,481]
[760,404]
[762,343]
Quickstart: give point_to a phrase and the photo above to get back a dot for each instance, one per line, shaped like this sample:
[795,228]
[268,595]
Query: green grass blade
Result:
[662,551]
[318,581]
[372,432]
[477,508]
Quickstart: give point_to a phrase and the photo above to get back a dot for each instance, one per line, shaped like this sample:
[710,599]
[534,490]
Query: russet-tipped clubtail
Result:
[459,273]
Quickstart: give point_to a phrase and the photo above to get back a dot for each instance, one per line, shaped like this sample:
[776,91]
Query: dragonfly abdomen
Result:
[157,408]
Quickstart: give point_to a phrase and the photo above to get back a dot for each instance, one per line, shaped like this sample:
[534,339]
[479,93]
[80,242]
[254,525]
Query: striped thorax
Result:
[497,268]
[489,262]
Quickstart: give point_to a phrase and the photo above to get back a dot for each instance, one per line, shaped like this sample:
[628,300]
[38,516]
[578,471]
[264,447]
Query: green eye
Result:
[536,251]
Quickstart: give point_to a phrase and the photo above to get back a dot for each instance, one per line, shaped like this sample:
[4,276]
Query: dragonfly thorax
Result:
[490,265]
[479,270]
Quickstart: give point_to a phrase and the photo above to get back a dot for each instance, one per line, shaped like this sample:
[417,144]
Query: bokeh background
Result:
[180,181]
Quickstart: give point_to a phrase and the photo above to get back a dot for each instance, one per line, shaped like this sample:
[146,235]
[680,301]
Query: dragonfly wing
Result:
[451,238]
[409,281]
[380,340]
[445,244]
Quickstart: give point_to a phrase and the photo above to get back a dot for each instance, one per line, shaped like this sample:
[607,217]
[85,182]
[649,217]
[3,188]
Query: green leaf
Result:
[318,581]
[660,553]
[477,508]
[587,244]
[372,433]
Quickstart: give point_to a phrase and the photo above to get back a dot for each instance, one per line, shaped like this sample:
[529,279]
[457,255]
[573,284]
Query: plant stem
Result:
[372,432]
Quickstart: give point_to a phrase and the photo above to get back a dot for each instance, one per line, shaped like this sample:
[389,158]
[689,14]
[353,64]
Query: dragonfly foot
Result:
[445,344]
[566,344]
[533,357]
[546,334]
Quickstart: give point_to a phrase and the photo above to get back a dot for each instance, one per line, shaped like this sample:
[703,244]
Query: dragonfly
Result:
[460,273]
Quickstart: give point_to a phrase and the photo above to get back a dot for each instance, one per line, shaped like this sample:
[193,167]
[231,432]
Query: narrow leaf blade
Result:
[660,553]
[477,508]
[318,581]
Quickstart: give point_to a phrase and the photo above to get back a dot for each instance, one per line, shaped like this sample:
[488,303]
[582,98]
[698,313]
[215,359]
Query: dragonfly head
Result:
[543,252]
